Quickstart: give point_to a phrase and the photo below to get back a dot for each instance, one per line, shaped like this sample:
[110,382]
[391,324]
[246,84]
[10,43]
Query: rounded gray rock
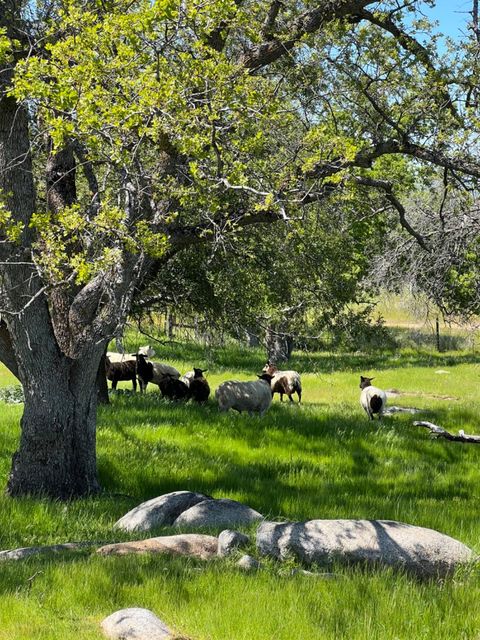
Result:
[423,552]
[217,513]
[230,540]
[135,624]
[160,511]
[248,563]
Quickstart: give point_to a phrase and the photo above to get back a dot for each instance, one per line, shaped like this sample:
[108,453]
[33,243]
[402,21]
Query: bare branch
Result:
[387,188]
[440,432]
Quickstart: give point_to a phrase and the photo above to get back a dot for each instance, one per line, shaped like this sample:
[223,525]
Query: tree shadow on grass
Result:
[297,465]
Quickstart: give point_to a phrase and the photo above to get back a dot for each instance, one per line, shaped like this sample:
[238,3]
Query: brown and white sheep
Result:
[284,382]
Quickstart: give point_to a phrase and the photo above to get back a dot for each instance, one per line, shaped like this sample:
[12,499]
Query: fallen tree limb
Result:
[439,432]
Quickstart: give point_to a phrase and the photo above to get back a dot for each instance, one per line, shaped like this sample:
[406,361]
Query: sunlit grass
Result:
[322,459]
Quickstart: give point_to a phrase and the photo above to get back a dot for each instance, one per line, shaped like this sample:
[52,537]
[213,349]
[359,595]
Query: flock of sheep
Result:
[253,396]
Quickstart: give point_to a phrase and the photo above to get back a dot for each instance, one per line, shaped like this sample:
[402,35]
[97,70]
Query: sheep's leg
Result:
[114,384]
[134,383]
[299,394]
[281,397]
[290,397]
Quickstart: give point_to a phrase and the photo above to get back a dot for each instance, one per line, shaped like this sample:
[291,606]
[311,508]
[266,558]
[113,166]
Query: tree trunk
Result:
[57,456]
[279,345]
[252,339]
[102,386]
[7,354]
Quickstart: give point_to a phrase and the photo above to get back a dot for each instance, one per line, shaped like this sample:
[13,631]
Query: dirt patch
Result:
[394,393]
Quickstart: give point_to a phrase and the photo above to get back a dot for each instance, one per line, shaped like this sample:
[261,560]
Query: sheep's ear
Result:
[362,378]
[203,370]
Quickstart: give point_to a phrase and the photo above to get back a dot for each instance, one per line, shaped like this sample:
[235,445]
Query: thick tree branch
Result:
[366,157]
[440,432]
[387,188]
[309,22]
[268,27]
[217,38]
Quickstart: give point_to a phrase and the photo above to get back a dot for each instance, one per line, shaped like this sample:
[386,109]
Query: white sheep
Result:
[372,399]
[253,396]
[114,356]
[284,382]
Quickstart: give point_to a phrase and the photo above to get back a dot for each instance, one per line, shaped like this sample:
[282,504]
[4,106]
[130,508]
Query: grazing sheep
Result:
[372,399]
[173,388]
[199,387]
[152,371]
[284,382]
[118,371]
[255,396]
[147,351]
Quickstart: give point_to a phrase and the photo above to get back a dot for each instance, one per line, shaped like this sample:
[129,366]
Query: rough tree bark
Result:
[57,454]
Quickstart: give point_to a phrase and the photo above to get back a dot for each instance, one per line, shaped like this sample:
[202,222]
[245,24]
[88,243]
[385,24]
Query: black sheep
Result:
[118,371]
[199,387]
[173,388]
[144,370]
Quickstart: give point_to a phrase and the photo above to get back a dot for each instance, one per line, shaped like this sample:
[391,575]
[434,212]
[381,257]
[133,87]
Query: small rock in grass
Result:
[160,511]
[442,371]
[26,552]
[248,563]
[135,624]
[229,541]
[187,544]
[217,513]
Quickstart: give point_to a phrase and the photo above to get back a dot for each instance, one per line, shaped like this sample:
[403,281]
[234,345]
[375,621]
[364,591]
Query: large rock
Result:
[217,513]
[424,552]
[135,624]
[161,511]
[229,541]
[187,544]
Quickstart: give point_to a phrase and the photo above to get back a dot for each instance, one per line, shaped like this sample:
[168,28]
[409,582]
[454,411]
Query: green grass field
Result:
[322,459]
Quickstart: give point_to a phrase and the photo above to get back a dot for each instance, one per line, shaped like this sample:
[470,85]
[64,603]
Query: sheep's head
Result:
[269,368]
[365,382]
[199,372]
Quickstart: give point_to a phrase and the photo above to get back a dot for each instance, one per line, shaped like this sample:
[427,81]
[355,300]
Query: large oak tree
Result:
[132,130]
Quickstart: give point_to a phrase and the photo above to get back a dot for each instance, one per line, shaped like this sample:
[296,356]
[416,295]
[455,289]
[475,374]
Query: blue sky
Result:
[452,15]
